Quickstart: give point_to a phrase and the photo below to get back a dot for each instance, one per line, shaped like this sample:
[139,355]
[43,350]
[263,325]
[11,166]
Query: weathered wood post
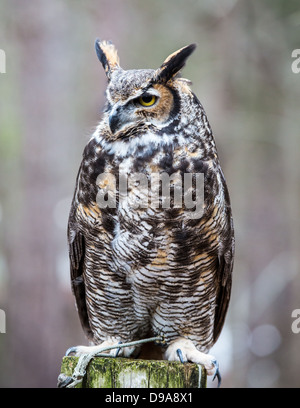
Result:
[107,372]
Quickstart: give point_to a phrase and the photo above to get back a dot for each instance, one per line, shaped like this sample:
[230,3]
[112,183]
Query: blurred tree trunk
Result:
[34,314]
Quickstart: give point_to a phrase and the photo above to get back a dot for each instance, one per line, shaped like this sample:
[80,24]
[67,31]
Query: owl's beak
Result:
[117,119]
[114,122]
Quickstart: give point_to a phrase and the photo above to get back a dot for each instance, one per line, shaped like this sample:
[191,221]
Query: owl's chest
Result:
[143,179]
[149,157]
[146,179]
[142,218]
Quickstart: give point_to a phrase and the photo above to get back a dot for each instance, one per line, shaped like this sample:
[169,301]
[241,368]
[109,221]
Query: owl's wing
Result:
[76,243]
[224,284]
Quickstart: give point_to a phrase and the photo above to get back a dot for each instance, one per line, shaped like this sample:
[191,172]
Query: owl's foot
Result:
[184,350]
[86,354]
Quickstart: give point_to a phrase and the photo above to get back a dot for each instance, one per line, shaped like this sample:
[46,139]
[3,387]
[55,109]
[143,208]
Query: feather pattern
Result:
[136,270]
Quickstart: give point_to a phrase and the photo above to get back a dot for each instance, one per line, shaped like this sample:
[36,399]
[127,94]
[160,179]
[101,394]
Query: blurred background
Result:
[51,99]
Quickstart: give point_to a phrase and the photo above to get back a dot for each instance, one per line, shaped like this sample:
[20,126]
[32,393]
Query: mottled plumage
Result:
[140,271]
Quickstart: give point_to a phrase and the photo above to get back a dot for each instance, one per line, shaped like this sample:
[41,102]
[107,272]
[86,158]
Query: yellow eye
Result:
[147,100]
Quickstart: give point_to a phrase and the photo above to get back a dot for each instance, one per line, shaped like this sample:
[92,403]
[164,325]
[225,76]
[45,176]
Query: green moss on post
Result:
[128,373]
[100,374]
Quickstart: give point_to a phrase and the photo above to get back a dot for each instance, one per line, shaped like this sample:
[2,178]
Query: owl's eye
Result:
[147,100]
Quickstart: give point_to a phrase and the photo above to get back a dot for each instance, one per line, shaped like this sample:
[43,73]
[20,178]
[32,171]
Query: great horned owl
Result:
[157,269]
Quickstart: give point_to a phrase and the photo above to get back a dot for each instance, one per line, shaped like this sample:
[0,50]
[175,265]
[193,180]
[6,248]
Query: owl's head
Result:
[142,96]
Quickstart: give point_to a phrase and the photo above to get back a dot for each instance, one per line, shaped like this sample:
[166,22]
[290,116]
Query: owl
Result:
[150,230]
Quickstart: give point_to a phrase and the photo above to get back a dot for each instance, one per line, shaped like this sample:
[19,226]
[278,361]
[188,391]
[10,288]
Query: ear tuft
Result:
[173,64]
[108,56]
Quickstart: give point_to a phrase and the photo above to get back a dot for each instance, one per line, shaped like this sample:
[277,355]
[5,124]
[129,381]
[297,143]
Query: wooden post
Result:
[106,372]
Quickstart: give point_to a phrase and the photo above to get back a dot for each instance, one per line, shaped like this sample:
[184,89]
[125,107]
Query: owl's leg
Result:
[184,350]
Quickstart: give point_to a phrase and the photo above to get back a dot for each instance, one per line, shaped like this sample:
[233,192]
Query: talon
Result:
[71,350]
[63,381]
[180,355]
[118,350]
[217,372]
